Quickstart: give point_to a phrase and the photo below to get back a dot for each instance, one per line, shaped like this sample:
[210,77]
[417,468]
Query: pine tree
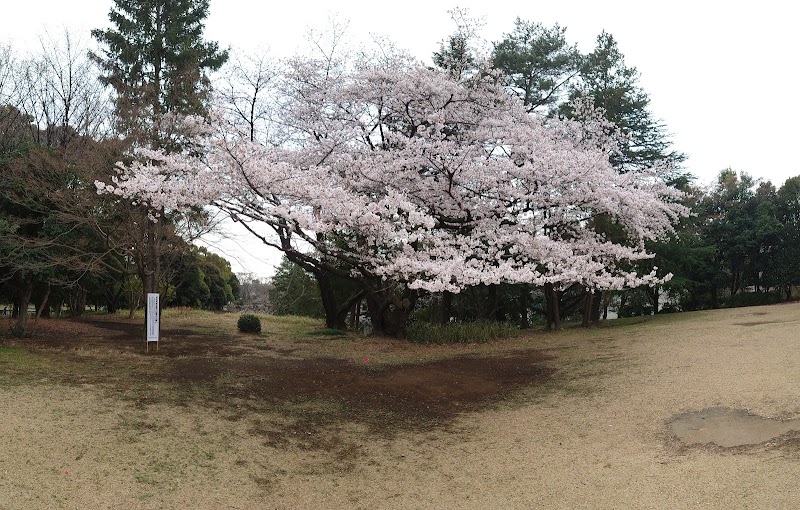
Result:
[157,62]
[536,62]
[614,87]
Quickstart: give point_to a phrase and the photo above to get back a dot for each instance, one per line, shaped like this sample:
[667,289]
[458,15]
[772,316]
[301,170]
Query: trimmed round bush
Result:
[249,323]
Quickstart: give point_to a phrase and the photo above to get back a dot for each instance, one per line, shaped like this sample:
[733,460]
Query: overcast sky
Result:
[720,75]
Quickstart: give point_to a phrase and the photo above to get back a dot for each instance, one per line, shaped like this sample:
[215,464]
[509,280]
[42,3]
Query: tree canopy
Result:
[408,175]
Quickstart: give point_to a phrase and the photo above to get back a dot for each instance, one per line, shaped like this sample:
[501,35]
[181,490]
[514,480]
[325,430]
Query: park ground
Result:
[290,419]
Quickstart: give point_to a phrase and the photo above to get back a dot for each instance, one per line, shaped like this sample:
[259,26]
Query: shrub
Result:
[249,323]
[459,332]
[752,299]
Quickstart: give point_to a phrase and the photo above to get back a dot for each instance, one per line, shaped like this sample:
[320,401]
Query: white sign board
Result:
[152,317]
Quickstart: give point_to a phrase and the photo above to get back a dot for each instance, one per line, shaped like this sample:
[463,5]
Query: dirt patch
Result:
[244,375]
[286,393]
[432,391]
[126,336]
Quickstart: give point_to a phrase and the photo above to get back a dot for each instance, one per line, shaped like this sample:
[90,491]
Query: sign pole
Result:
[153,321]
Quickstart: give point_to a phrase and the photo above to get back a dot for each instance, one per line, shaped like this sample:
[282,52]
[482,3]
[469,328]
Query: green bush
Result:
[249,323]
[459,332]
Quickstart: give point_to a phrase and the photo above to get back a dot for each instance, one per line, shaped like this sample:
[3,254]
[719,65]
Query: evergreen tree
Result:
[459,53]
[613,86]
[787,263]
[157,62]
[536,62]
[294,291]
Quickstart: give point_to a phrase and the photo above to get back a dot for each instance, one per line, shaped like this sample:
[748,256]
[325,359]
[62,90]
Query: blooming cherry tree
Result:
[408,181]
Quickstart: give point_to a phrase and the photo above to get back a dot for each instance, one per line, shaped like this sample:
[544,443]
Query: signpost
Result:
[153,320]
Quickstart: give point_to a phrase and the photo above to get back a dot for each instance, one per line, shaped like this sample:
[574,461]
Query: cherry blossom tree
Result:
[409,181]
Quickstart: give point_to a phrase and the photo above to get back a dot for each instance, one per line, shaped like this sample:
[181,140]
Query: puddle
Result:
[728,427]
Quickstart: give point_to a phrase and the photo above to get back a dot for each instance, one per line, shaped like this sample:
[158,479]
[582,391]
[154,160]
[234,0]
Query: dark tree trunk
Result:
[333,319]
[524,323]
[43,304]
[335,313]
[652,295]
[40,307]
[623,299]
[355,315]
[714,298]
[77,302]
[133,304]
[735,282]
[24,299]
[447,307]
[606,303]
[597,305]
[551,296]
[57,307]
[112,299]
[588,302]
[493,310]
[389,309]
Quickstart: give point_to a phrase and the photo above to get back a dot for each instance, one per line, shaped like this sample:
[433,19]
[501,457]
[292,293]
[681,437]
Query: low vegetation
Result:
[249,323]
[480,331]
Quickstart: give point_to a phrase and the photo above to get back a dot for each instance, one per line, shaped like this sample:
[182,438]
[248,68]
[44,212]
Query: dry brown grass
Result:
[576,419]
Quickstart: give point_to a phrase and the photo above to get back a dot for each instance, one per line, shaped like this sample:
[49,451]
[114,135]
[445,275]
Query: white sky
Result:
[722,76]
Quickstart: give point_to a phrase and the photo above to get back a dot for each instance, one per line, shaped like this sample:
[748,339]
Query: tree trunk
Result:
[552,307]
[653,296]
[493,311]
[40,307]
[77,302]
[112,299]
[57,308]
[335,313]
[328,300]
[606,303]
[355,315]
[389,310]
[24,298]
[588,301]
[134,304]
[43,304]
[714,298]
[597,304]
[447,307]
[333,319]
[524,323]
[656,296]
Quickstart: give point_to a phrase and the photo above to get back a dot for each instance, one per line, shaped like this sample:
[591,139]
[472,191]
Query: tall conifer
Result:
[156,60]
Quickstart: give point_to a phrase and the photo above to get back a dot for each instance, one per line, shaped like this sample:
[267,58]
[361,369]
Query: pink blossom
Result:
[418,178]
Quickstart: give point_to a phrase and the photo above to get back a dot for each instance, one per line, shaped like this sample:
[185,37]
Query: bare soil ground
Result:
[287,419]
